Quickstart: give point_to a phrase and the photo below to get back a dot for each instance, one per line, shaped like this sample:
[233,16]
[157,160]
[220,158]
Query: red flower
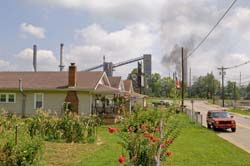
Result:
[143,126]
[156,129]
[151,137]
[146,133]
[169,141]
[168,154]
[121,159]
[163,146]
[112,130]
[131,129]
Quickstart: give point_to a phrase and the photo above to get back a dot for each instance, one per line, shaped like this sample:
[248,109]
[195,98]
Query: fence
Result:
[194,116]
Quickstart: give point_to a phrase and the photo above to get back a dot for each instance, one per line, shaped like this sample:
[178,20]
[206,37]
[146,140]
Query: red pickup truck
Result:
[220,119]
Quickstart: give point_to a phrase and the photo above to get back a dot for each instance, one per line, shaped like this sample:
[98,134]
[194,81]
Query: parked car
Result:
[161,103]
[220,119]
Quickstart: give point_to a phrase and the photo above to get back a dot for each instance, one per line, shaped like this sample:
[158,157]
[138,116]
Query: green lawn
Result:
[243,112]
[194,147]
[200,146]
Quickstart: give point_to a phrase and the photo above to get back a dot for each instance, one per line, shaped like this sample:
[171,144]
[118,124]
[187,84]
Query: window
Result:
[3,98]
[7,97]
[11,98]
[38,101]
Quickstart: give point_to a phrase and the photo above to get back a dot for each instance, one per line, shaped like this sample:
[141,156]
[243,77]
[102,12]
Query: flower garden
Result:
[145,137]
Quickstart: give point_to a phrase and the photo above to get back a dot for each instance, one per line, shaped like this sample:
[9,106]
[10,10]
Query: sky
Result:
[125,29]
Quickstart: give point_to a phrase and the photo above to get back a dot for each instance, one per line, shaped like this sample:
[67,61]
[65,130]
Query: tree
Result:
[155,85]
[205,86]
[232,91]
[247,92]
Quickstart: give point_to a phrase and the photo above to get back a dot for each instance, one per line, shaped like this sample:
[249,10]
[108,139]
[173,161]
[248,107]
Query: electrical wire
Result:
[208,34]
[236,66]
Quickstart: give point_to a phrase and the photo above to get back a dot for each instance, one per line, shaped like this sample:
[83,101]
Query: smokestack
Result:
[61,66]
[35,58]
[72,75]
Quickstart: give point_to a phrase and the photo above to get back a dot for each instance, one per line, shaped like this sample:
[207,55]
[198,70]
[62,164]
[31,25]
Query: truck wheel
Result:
[215,129]
[208,126]
[233,129]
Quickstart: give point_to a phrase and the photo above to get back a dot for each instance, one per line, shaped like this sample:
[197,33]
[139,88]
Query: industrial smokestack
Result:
[35,58]
[61,66]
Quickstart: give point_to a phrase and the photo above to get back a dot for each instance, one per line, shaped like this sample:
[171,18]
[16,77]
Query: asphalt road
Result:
[240,138]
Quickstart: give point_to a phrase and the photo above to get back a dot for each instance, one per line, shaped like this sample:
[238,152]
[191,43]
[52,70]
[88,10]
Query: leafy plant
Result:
[146,136]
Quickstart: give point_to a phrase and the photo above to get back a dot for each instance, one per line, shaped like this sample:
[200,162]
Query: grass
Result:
[243,112]
[195,146]
[104,152]
[200,146]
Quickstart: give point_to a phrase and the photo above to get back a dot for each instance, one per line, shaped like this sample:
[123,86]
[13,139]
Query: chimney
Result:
[61,66]
[35,58]
[72,75]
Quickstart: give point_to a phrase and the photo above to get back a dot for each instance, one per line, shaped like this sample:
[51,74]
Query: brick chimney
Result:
[72,75]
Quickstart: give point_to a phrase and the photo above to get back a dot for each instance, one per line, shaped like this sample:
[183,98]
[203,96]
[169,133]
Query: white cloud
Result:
[4,65]
[139,25]
[46,60]
[30,29]
[119,10]
[130,42]
[239,22]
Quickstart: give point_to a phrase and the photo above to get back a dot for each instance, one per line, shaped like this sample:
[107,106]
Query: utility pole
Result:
[183,81]
[222,84]
[190,82]
[213,92]
[240,79]
[234,94]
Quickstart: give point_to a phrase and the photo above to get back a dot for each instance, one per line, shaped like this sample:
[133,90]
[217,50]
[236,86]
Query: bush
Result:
[23,151]
[70,127]
[146,136]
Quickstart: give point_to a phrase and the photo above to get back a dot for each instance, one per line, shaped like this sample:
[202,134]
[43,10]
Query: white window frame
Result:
[35,99]
[7,98]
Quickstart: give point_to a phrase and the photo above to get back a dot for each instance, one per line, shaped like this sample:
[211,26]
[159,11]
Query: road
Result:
[240,138]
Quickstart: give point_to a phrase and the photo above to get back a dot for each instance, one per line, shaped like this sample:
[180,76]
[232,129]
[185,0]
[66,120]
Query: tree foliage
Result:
[205,86]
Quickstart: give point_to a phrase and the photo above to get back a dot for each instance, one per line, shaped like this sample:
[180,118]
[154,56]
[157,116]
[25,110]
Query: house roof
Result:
[115,81]
[48,80]
[105,88]
[128,86]
[134,95]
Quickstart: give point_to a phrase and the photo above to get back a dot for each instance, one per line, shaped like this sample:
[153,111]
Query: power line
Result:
[217,23]
[232,67]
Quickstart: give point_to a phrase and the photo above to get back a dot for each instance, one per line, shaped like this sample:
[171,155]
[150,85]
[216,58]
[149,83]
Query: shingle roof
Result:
[128,86]
[48,80]
[115,81]
[105,88]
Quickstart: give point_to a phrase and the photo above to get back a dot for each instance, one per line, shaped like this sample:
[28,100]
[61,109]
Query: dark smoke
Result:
[173,58]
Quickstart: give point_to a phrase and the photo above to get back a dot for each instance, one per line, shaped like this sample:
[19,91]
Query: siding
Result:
[13,107]
[84,106]
[53,102]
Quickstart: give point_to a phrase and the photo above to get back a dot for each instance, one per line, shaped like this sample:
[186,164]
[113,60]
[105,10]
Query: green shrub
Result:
[70,127]
[147,135]
[21,152]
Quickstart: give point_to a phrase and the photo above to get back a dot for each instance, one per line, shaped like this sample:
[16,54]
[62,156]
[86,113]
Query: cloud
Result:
[4,65]
[129,42]
[32,30]
[46,60]
[239,22]
[119,10]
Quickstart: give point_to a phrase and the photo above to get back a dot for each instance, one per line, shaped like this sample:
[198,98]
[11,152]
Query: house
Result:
[134,98]
[25,92]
